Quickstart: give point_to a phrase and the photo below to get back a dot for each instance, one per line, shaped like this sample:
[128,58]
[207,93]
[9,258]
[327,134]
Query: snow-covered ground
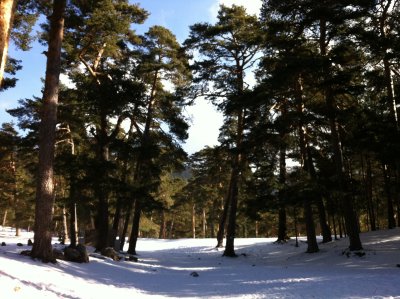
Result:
[262,270]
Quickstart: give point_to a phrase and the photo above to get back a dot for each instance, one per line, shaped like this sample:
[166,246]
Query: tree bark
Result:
[42,248]
[282,227]
[368,187]
[73,225]
[194,221]
[312,245]
[391,222]
[234,192]
[5,217]
[204,224]
[102,217]
[135,228]
[222,219]
[65,236]
[122,236]
[7,9]
[163,226]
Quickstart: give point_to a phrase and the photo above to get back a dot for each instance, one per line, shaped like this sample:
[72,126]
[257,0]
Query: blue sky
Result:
[176,15]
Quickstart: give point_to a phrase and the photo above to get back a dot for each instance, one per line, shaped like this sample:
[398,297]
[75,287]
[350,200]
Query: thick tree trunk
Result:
[102,217]
[234,186]
[231,229]
[42,248]
[312,245]
[7,8]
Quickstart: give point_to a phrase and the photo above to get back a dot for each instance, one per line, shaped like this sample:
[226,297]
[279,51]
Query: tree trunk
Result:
[163,226]
[42,248]
[194,221]
[368,194]
[102,217]
[312,245]
[346,199]
[122,236]
[65,236]
[204,223]
[116,222]
[334,226]
[325,229]
[308,166]
[171,228]
[389,201]
[7,9]
[5,218]
[222,219]
[282,227]
[135,228]
[234,192]
[73,225]
[231,229]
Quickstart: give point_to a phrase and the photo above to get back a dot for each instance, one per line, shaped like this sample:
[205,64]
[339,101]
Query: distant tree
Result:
[16,179]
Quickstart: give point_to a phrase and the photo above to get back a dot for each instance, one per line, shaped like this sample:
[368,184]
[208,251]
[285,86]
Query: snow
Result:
[165,270]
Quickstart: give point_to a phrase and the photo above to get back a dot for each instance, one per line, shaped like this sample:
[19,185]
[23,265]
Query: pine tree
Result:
[162,59]
[42,248]
[227,49]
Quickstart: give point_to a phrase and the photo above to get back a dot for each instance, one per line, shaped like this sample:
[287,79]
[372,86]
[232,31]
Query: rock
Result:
[30,243]
[78,254]
[26,252]
[111,253]
[359,253]
[194,274]
[3,243]
[84,254]
[58,254]
[20,244]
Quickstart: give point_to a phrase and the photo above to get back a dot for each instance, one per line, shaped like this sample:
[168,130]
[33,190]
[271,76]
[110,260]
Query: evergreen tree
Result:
[162,60]
[227,49]
[42,248]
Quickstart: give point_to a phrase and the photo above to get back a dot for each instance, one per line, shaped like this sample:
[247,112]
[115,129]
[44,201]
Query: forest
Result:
[311,148]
